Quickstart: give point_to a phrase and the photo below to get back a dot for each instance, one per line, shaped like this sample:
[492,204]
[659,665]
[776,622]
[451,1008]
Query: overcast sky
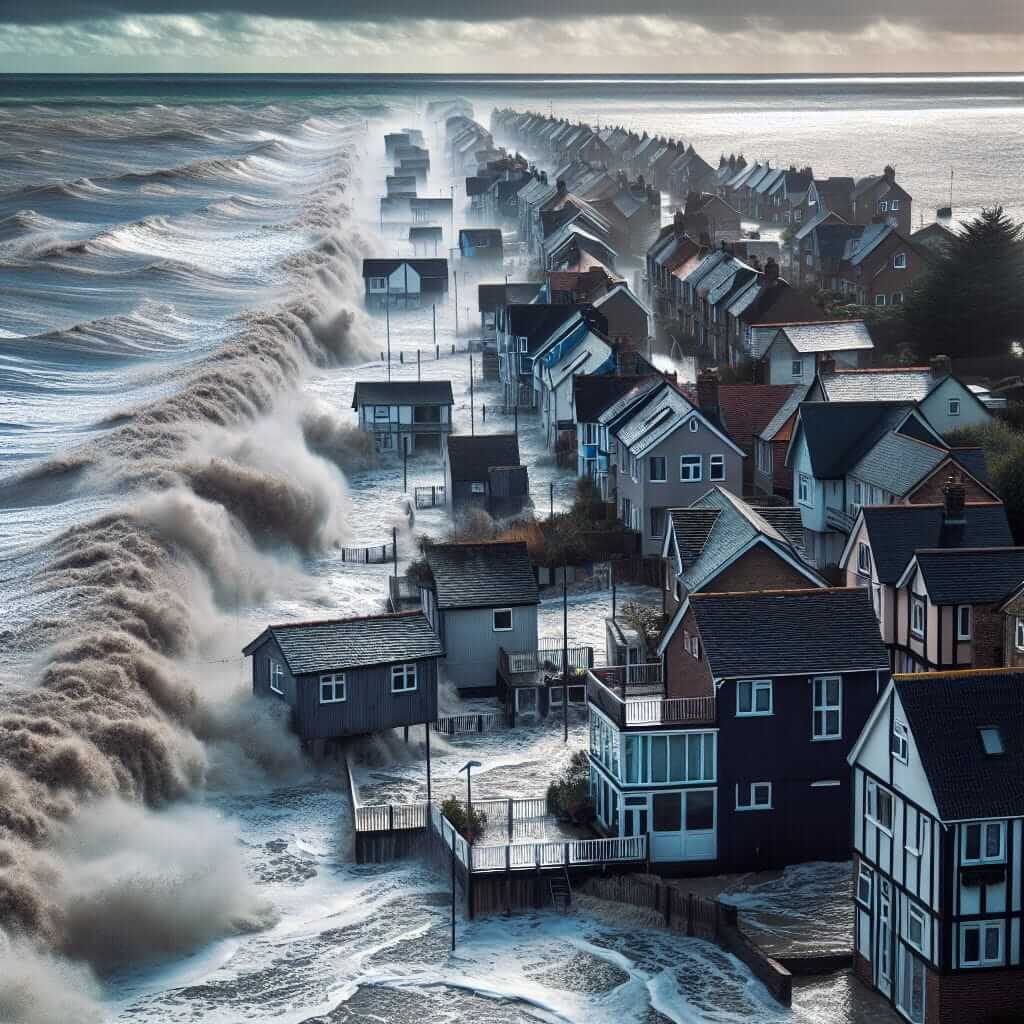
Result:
[546,36]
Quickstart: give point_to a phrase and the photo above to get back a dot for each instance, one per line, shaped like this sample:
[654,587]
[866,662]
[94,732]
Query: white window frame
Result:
[881,300]
[377,413]
[899,261]
[333,681]
[917,603]
[915,915]
[894,205]
[964,611]
[1018,632]
[982,928]
[804,490]
[874,790]
[694,425]
[863,558]
[883,206]
[524,345]
[797,368]
[403,674]
[495,628]
[953,407]
[378,284]
[476,487]
[983,827]
[698,465]
[756,686]
[651,478]
[716,462]
[900,742]
[748,800]
[276,674]
[765,456]
[825,709]
[865,875]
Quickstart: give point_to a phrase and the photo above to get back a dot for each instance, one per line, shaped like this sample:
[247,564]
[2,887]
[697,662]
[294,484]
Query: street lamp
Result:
[468,769]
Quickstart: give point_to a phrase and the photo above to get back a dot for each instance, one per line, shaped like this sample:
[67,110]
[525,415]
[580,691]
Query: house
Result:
[938,784]
[400,185]
[794,675]
[426,240]
[884,538]
[878,197]
[797,350]
[881,266]
[348,677]
[606,448]
[576,288]
[404,415]
[934,238]
[629,320]
[829,195]
[944,400]
[947,607]
[430,210]
[492,298]
[667,452]
[711,218]
[819,250]
[771,442]
[481,246]
[722,543]
[404,282]
[483,471]
[690,173]
[480,598]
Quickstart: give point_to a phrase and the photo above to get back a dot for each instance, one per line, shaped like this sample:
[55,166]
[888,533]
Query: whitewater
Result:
[181,327]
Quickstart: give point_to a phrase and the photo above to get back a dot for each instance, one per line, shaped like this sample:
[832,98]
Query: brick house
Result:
[878,198]
[1013,629]
[947,607]
[771,474]
[937,840]
[881,266]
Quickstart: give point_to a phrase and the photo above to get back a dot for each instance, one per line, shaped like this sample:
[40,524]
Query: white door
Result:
[526,700]
[700,836]
[635,816]
[883,942]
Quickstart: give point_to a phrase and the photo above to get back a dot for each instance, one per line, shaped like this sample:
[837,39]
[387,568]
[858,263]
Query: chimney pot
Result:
[707,391]
[941,366]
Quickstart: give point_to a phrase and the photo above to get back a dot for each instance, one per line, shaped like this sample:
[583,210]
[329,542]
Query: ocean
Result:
[181,327]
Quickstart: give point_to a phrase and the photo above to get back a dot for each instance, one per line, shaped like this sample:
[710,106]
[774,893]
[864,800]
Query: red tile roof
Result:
[746,409]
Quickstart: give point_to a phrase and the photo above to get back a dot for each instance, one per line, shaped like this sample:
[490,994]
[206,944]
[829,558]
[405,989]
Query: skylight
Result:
[991,740]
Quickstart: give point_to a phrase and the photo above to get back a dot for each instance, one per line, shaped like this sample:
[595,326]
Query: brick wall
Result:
[685,676]
[988,636]
[975,997]
[1012,658]
[930,492]
[758,569]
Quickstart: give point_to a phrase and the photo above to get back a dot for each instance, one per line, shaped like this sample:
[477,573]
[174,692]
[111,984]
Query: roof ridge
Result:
[878,369]
[967,551]
[710,595]
[347,618]
[903,677]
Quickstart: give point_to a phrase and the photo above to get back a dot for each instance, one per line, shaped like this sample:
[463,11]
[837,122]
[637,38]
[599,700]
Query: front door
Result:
[526,700]
[883,944]
[635,816]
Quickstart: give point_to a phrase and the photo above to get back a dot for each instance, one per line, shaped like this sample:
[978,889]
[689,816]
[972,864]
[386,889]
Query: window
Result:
[590,433]
[879,809]
[981,944]
[694,425]
[991,740]
[899,261]
[798,368]
[917,615]
[863,559]
[916,924]
[911,992]
[717,467]
[894,205]
[332,688]
[667,812]
[880,300]
[657,469]
[765,460]
[803,490]
[757,796]
[828,708]
[276,676]
[897,299]
[700,810]
[1018,633]
[900,742]
[883,206]
[865,884]
[690,468]
[378,284]
[953,406]
[917,825]
[403,678]
[754,697]
[963,622]
[502,620]
[983,843]
[694,647]
[477,488]
[382,412]
[658,518]
[555,696]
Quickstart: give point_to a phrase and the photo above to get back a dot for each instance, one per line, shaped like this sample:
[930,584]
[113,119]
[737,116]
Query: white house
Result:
[798,350]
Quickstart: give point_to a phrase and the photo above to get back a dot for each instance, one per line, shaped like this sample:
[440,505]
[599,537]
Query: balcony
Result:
[530,668]
[641,705]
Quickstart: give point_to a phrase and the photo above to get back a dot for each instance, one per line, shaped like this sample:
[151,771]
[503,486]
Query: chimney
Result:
[889,173]
[707,391]
[679,222]
[941,366]
[827,365]
[954,496]
[771,271]
[560,186]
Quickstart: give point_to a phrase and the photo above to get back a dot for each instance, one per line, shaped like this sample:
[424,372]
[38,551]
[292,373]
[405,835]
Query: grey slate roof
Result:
[691,528]
[790,406]
[488,575]
[971,575]
[334,645]
[789,632]
[490,296]
[470,457]
[897,463]
[945,712]
[592,395]
[839,434]
[909,384]
[832,336]
[426,268]
[402,392]
[895,532]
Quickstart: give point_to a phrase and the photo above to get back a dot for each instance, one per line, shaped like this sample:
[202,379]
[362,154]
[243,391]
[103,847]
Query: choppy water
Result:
[180,333]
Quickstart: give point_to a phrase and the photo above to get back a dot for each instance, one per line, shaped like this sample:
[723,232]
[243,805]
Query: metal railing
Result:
[376,554]
[458,725]
[545,660]
[429,497]
[638,709]
[391,817]
[649,673]
[527,856]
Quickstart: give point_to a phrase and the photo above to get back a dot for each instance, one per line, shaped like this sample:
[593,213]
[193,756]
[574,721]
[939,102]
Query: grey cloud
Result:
[839,16]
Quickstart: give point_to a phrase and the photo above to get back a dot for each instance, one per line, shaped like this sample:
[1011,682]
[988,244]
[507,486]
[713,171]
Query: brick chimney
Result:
[679,222]
[889,173]
[941,366]
[560,186]
[707,392]
[954,496]
[827,365]
[771,271]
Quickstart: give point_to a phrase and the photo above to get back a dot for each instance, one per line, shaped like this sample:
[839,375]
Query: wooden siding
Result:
[472,644]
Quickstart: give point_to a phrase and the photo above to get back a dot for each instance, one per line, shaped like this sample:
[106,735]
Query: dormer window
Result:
[899,261]
[900,742]
[991,740]
[917,615]
[894,205]
[863,559]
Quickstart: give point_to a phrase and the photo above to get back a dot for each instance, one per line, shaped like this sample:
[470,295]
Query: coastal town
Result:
[684,401]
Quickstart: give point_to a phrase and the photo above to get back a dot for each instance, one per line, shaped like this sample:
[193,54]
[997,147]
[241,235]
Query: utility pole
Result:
[472,412]
[551,497]
[455,275]
[565,653]
[405,464]
[387,321]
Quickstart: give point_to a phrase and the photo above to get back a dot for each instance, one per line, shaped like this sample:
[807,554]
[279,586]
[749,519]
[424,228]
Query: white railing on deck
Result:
[390,817]
[523,856]
[674,710]
[457,725]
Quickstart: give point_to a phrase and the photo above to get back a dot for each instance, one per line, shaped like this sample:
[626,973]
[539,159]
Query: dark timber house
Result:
[938,840]
[348,677]
[411,413]
[483,471]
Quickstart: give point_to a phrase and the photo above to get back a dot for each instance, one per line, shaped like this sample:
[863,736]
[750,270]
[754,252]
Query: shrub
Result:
[568,795]
[470,828]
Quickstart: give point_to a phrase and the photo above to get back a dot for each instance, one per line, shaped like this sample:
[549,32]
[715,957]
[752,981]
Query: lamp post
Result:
[468,769]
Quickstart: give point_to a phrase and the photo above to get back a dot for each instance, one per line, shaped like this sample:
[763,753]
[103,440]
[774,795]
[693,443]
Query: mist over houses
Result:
[828,668]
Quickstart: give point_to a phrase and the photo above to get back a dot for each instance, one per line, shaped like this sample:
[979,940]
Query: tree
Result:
[971,304]
[469,827]
[569,795]
[1004,456]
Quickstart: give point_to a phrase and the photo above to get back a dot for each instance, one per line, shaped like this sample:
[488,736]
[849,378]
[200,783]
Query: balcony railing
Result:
[648,674]
[514,663]
[633,708]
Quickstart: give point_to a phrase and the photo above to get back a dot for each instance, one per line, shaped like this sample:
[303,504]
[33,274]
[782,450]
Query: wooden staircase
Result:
[561,891]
